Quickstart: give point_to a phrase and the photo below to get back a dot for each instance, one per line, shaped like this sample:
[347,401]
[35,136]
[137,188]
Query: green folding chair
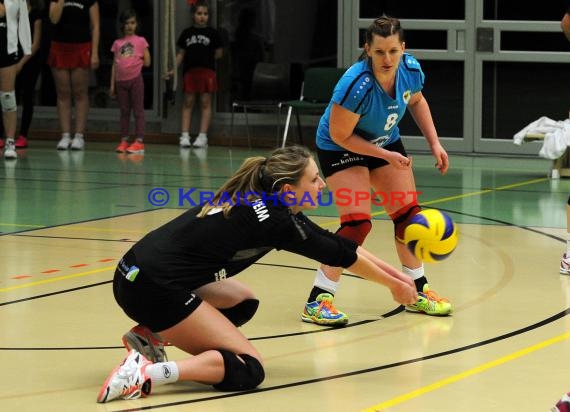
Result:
[316,93]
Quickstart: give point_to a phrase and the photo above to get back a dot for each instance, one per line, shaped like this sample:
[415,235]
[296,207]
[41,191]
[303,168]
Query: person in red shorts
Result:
[199,48]
[73,53]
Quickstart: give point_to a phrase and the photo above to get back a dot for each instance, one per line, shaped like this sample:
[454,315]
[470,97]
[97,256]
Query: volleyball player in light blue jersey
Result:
[358,92]
[359,147]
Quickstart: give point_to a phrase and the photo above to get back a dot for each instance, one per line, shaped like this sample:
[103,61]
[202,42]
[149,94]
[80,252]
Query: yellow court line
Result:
[456,197]
[41,282]
[18,225]
[478,369]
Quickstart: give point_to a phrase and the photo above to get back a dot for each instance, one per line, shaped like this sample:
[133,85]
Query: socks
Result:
[162,373]
[418,275]
[204,135]
[78,136]
[185,134]
[316,291]
[322,284]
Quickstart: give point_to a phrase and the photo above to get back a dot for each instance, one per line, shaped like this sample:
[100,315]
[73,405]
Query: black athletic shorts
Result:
[146,302]
[332,161]
[7,60]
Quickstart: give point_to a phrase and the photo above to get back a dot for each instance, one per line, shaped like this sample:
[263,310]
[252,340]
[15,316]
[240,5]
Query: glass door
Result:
[521,71]
[438,34]
[491,66]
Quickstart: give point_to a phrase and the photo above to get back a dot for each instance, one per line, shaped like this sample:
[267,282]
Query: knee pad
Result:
[8,101]
[355,226]
[240,375]
[402,217]
[242,312]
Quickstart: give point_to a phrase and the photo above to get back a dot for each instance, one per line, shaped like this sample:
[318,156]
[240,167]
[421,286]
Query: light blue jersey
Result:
[359,92]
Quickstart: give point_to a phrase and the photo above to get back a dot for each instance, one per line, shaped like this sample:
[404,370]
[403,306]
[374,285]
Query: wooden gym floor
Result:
[66,218]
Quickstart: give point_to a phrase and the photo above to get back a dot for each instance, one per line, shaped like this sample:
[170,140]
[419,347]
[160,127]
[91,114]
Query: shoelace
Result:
[431,295]
[327,304]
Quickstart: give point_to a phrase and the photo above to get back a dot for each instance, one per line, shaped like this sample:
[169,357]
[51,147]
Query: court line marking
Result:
[50,280]
[444,199]
[21,225]
[465,374]
[462,196]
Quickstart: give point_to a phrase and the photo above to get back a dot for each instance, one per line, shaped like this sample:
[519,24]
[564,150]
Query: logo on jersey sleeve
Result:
[411,62]
[406,96]
[380,141]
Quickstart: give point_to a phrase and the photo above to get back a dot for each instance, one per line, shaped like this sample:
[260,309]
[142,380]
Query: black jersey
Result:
[199,44]
[75,23]
[190,251]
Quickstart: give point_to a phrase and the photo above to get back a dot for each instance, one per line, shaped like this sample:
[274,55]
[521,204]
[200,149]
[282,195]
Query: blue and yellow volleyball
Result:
[431,235]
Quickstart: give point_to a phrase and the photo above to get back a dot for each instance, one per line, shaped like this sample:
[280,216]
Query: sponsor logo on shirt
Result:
[73,4]
[129,272]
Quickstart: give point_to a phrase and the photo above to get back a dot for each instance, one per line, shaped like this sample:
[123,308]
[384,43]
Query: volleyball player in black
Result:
[177,281]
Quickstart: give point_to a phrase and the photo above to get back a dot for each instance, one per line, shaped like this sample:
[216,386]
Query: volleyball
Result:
[431,235]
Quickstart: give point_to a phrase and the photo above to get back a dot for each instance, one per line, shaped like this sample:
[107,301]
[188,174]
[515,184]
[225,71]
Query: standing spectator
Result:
[15,42]
[199,48]
[28,70]
[73,53]
[565,22]
[565,261]
[131,54]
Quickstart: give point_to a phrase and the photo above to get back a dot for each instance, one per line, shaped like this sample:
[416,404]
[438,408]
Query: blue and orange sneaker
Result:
[322,312]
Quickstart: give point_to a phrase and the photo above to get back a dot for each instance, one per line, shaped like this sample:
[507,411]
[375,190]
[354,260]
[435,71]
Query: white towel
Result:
[18,26]
[556,136]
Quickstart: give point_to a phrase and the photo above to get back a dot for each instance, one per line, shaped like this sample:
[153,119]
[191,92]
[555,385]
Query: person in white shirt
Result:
[15,42]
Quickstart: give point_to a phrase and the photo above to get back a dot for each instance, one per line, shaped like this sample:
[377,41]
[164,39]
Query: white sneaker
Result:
[200,141]
[77,143]
[565,265]
[201,152]
[185,141]
[64,143]
[128,380]
[10,150]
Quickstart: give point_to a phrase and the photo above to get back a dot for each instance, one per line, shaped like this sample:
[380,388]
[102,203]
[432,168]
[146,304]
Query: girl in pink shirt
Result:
[131,54]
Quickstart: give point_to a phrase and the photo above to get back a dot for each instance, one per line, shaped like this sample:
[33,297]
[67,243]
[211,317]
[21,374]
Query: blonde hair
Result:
[260,175]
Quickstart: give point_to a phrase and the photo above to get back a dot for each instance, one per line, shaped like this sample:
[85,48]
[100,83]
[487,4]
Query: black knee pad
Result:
[242,312]
[240,376]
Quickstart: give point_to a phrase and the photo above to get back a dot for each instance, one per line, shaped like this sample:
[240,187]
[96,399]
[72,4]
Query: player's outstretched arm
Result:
[376,270]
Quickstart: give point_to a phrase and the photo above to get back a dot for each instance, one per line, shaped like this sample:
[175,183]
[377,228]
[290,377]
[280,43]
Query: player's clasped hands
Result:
[399,160]
[404,293]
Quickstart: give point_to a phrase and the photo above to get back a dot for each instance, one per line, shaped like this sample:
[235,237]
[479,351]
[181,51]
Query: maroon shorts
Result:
[70,55]
[200,80]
